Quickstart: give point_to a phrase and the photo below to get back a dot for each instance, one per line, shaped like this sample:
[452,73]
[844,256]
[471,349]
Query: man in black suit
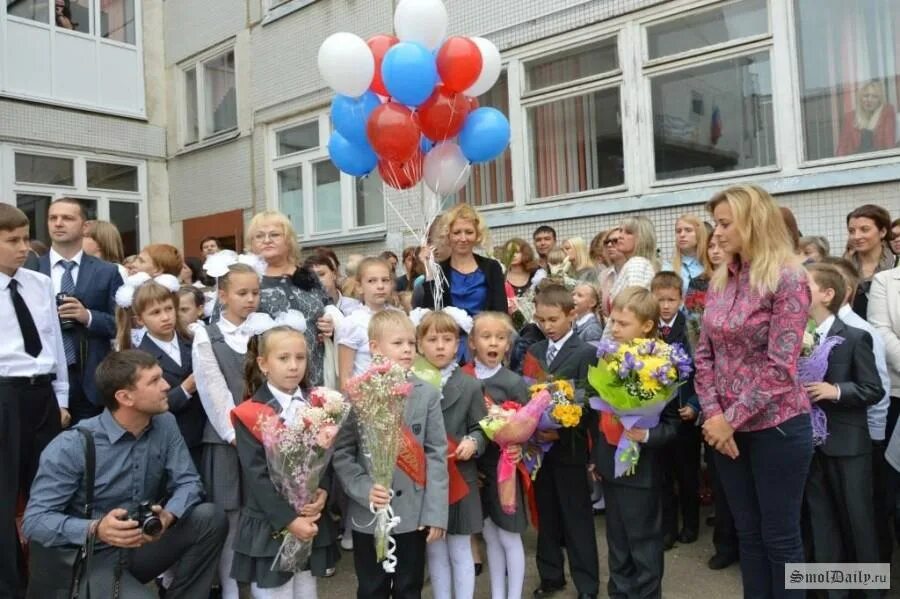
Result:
[839,489]
[561,487]
[87,311]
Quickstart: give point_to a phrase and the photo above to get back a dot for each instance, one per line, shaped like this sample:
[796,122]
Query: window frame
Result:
[198,63]
[306,160]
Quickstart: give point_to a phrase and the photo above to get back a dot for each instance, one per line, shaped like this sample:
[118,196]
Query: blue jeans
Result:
[764,487]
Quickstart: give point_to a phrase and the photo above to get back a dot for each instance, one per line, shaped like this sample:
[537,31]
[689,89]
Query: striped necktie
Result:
[67,286]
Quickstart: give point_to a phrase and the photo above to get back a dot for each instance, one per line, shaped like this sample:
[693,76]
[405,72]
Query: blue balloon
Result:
[425,144]
[350,115]
[409,73]
[484,135]
[353,159]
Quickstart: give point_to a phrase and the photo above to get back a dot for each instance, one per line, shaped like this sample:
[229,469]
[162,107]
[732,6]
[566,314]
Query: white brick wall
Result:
[194,25]
[211,180]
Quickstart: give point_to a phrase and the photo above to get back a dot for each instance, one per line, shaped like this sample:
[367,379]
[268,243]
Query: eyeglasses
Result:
[612,241]
[268,236]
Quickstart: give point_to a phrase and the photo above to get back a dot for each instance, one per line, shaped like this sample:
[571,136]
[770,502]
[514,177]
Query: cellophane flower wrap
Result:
[634,382]
[297,452]
[512,424]
[379,397]
[694,305]
[811,368]
[561,412]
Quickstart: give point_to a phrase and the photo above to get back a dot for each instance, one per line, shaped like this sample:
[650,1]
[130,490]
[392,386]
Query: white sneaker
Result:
[347,543]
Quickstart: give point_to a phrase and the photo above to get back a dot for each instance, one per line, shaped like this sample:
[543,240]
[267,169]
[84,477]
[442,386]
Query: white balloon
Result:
[346,64]
[422,21]
[446,170]
[490,67]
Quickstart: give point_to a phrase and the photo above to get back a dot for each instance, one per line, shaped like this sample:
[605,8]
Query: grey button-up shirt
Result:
[154,466]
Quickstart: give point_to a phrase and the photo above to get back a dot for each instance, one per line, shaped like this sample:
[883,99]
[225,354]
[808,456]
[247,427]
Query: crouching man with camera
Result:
[145,513]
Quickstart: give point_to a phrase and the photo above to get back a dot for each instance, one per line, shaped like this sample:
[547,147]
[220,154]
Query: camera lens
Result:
[152,526]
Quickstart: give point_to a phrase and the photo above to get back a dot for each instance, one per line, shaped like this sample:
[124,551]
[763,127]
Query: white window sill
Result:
[344,238]
[215,140]
[284,10]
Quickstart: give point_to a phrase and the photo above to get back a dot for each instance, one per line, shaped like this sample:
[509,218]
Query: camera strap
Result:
[83,564]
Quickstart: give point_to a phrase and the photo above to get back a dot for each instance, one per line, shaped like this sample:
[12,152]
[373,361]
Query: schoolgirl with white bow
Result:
[276,379]
[450,560]
[152,303]
[219,354]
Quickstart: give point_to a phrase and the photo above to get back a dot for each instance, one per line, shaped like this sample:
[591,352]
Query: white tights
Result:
[226,582]
[506,561]
[452,568]
[301,586]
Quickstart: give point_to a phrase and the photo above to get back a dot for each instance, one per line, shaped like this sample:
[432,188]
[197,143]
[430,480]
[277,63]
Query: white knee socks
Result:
[226,582]
[301,586]
[452,568]
[506,561]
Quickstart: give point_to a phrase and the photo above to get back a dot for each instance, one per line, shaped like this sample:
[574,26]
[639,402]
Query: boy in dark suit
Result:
[561,488]
[682,460]
[839,488]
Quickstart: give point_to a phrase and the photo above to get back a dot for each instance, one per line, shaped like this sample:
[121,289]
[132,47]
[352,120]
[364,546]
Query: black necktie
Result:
[30,335]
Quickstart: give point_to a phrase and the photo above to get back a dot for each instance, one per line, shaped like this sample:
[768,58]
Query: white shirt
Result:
[483,372]
[211,384]
[877,414]
[670,324]
[347,305]
[557,345]
[37,291]
[171,348]
[353,332]
[290,404]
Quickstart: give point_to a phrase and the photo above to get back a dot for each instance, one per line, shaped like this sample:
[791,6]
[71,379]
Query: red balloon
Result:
[380,44]
[393,132]
[402,175]
[474,104]
[459,63]
[443,114]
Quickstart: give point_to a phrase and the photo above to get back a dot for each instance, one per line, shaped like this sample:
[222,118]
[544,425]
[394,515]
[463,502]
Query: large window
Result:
[108,190]
[117,17]
[712,110]
[575,137]
[319,200]
[848,58]
[209,100]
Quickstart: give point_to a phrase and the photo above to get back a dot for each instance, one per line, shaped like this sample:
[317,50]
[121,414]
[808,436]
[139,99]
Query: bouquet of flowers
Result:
[298,448]
[379,397]
[635,382]
[561,412]
[512,424]
[694,305]
[811,368]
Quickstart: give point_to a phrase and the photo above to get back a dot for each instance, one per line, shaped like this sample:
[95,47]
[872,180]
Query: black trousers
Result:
[634,538]
[191,548]
[681,463]
[29,419]
[884,496]
[567,520]
[80,407]
[725,538]
[374,583]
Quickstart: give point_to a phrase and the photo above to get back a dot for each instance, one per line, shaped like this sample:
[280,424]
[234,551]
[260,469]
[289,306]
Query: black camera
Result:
[66,324]
[149,522]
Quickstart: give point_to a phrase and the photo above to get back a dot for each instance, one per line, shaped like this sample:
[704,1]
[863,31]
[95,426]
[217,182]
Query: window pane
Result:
[369,200]
[44,169]
[35,208]
[576,144]
[299,138]
[103,175]
[849,85]
[220,102]
[327,203]
[491,183]
[573,64]
[126,217]
[73,14]
[36,10]
[192,131]
[721,24]
[117,20]
[713,118]
[290,195]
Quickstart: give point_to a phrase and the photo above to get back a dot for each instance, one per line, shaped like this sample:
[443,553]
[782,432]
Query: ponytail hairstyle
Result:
[145,296]
[259,346]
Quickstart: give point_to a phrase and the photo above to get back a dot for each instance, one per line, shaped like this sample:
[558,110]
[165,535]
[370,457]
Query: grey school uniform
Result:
[219,466]
[462,404]
[506,385]
[591,330]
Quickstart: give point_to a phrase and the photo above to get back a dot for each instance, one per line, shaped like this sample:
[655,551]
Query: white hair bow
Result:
[217,264]
[260,322]
[459,316]
[125,293]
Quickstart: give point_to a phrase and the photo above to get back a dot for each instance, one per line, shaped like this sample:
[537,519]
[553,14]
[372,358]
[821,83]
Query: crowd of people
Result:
[128,387]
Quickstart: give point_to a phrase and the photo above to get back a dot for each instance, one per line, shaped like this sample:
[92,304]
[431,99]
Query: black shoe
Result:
[548,588]
[687,536]
[478,568]
[720,561]
[587,596]
[668,541]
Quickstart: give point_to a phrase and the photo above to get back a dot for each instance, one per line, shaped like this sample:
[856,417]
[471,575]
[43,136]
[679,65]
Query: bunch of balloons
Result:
[406,104]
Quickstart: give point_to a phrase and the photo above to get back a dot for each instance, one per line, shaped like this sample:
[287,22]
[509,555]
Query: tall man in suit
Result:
[87,308]
[561,488]
[839,489]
